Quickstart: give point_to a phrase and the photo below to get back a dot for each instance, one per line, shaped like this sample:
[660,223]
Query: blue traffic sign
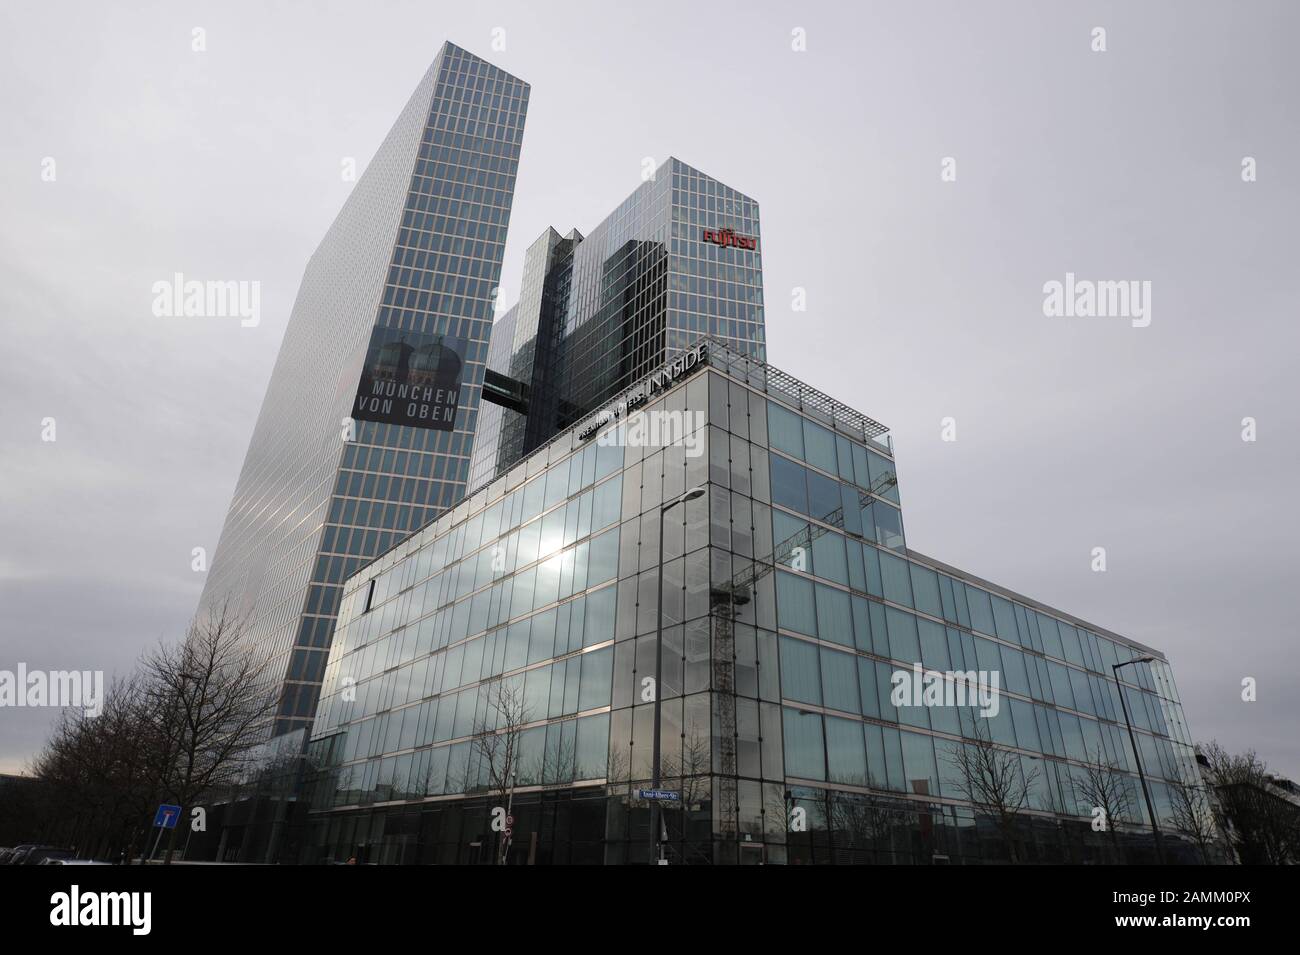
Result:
[667,795]
[166,816]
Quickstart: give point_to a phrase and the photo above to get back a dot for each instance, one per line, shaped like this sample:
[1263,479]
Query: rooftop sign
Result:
[679,367]
[726,237]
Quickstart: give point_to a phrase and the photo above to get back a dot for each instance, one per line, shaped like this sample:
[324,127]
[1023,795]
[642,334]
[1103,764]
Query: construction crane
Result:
[724,601]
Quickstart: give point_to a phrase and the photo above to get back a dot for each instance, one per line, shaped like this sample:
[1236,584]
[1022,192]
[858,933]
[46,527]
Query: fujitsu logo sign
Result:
[726,237]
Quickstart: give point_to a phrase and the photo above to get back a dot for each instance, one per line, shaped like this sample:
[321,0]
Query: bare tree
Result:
[98,773]
[994,781]
[209,705]
[692,769]
[1193,815]
[496,741]
[1105,787]
[862,818]
[1263,826]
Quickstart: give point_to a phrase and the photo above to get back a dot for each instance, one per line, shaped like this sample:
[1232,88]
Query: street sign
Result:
[166,816]
[666,795]
[507,832]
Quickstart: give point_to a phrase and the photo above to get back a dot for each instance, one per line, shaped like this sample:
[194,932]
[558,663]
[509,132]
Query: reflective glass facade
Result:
[416,249]
[678,260]
[791,602]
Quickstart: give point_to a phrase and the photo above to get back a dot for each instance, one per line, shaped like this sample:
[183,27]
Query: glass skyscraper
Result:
[366,428]
[677,260]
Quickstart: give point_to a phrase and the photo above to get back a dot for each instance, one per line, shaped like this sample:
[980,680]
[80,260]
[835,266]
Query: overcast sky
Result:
[924,297]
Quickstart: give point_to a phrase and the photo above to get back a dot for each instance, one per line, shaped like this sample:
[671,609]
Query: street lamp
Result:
[1146,792]
[691,495]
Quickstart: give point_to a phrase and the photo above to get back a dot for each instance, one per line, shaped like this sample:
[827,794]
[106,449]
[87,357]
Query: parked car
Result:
[57,861]
[41,853]
[4,854]
[18,853]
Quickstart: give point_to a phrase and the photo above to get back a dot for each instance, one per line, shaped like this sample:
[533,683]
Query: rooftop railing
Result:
[816,404]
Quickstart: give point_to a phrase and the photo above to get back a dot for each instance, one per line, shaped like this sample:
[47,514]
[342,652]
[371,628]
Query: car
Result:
[57,861]
[18,853]
[41,853]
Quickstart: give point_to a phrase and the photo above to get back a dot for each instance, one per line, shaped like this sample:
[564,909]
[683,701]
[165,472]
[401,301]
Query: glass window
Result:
[844,749]
[791,536]
[877,774]
[839,681]
[918,764]
[819,447]
[1070,644]
[599,625]
[597,674]
[602,562]
[804,746]
[867,688]
[789,489]
[541,642]
[934,645]
[871,558]
[883,480]
[834,616]
[785,430]
[795,609]
[828,558]
[981,611]
[1005,619]
[607,503]
[903,642]
[1017,679]
[800,677]
[896,579]
[592,746]
[861,624]
[1051,637]
[824,501]
[1061,692]
[925,588]
[888,526]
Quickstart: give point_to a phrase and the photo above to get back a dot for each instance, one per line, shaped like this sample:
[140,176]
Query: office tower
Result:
[677,260]
[366,428]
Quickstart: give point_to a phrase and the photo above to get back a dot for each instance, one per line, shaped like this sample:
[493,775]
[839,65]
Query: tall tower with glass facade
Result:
[368,421]
[677,260]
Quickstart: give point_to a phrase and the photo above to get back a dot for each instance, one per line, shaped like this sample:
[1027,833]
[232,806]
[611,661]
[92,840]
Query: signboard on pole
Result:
[664,795]
[166,816]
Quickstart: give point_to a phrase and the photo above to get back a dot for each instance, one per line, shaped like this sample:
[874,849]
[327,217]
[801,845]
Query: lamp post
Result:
[656,844]
[1146,792]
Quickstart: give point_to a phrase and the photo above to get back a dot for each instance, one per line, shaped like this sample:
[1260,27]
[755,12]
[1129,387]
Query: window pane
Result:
[804,747]
[794,604]
[788,486]
[834,616]
[785,430]
[844,748]
[839,681]
[800,677]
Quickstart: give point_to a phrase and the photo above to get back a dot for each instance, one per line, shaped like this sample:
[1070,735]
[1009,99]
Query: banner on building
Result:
[410,378]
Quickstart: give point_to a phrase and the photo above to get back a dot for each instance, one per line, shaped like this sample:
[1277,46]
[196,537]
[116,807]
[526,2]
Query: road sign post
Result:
[659,795]
[165,818]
